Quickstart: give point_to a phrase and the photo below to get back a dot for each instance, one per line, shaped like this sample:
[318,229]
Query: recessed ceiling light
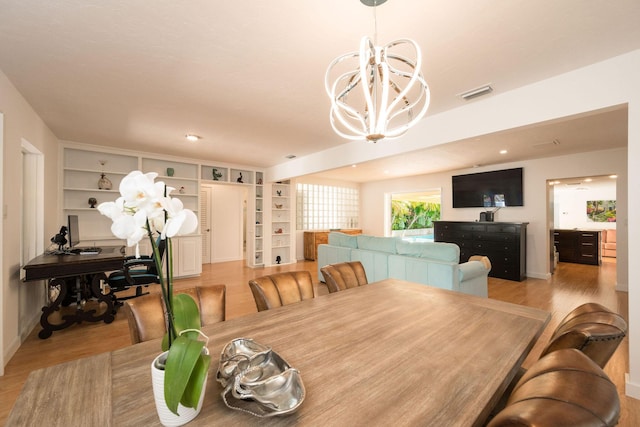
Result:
[354,166]
[192,137]
[613,176]
[588,180]
[503,151]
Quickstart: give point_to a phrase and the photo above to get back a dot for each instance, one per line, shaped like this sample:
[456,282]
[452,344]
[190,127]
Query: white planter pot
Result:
[168,418]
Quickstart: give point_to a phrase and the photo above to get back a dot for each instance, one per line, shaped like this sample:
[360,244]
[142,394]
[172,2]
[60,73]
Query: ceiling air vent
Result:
[474,93]
[546,144]
[291,156]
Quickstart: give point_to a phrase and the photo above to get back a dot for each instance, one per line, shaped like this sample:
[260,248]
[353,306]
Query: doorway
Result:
[222,222]
[583,204]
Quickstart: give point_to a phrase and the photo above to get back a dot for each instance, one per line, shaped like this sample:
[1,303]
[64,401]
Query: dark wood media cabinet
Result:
[504,243]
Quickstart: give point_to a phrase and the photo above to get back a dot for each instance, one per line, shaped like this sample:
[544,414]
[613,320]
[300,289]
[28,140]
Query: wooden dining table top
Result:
[388,353]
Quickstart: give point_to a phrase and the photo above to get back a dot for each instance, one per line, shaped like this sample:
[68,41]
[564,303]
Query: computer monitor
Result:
[73,232]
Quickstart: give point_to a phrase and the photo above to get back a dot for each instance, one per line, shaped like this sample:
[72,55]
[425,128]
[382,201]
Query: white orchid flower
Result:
[112,210]
[145,203]
[181,221]
[140,192]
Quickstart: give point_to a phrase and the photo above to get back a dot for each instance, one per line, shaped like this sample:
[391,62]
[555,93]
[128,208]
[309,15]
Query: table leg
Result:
[47,327]
[80,314]
[109,299]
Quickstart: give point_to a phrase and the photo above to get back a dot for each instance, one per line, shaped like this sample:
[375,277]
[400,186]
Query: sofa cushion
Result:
[343,240]
[374,243]
[609,236]
[448,252]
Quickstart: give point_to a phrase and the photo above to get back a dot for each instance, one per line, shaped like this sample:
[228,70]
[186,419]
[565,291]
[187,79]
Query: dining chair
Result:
[562,388]
[591,328]
[344,275]
[146,315]
[276,290]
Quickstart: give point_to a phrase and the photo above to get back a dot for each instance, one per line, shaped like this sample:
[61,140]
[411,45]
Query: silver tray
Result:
[257,380]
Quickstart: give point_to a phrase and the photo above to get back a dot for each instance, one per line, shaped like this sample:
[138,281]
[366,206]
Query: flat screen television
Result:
[73,231]
[488,189]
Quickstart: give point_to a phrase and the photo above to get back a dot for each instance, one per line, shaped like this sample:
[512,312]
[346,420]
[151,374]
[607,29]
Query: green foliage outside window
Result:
[409,215]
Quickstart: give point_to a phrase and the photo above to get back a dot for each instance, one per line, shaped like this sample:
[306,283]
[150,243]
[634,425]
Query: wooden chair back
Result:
[276,290]
[146,315]
[344,275]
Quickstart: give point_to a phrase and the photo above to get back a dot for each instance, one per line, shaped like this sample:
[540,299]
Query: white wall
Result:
[606,84]
[21,122]
[570,202]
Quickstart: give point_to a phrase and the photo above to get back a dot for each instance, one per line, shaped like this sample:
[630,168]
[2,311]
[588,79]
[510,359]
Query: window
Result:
[412,214]
[326,207]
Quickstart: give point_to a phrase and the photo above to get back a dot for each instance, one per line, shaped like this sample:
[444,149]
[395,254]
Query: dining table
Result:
[387,353]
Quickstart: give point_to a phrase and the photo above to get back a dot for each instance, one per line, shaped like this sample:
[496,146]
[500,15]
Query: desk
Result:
[388,353]
[88,270]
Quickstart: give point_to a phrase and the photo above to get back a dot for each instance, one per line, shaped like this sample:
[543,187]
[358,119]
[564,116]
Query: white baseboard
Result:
[632,389]
[543,276]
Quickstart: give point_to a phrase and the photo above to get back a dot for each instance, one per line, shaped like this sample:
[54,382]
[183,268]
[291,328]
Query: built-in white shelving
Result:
[82,168]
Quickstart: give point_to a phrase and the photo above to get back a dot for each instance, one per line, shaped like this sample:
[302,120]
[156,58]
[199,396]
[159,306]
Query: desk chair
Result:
[280,289]
[136,272]
[564,388]
[146,315]
[344,275]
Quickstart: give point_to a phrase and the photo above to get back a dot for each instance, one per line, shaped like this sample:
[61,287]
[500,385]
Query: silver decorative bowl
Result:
[257,380]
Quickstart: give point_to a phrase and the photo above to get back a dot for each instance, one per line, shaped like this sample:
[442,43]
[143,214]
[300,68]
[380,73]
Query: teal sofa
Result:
[429,263]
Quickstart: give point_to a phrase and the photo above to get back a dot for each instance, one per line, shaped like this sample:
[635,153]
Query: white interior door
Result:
[227,222]
[206,195]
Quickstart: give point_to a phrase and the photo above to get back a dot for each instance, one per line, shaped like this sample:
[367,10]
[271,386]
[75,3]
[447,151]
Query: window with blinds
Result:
[322,207]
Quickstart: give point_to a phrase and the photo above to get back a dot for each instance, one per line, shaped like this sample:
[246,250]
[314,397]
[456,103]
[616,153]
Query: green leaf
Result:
[181,361]
[185,315]
[165,342]
[191,395]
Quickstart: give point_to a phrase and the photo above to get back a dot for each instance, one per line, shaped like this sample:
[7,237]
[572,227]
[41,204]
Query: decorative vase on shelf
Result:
[104,183]
[92,202]
[168,418]
[216,175]
[170,171]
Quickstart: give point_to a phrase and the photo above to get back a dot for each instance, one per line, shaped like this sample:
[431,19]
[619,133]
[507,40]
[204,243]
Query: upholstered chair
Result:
[146,316]
[344,275]
[564,388]
[280,289]
[591,328]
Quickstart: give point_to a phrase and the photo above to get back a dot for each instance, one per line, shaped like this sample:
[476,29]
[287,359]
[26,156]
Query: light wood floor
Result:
[570,286]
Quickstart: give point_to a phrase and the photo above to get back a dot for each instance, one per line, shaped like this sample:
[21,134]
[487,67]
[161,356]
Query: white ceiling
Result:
[248,76]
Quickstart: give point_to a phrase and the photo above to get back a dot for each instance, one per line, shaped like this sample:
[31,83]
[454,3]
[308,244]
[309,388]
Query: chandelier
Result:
[379,91]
